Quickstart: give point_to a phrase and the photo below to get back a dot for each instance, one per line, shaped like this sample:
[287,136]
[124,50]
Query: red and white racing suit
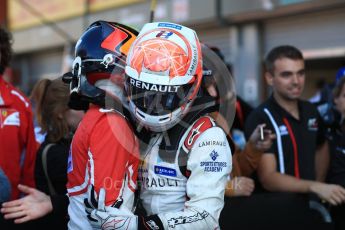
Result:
[192,199]
[104,154]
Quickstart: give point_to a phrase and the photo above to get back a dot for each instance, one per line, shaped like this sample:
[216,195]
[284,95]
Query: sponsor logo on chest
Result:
[9,117]
[160,170]
[312,124]
[158,178]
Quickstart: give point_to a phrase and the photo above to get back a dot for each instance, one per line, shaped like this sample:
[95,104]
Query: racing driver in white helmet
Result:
[186,157]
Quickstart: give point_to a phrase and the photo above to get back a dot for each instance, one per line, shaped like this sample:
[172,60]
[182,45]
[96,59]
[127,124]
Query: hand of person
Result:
[333,194]
[265,143]
[211,89]
[242,186]
[108,218]
[33,206]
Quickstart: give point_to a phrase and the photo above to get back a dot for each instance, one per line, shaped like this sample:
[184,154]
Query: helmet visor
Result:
[155,99]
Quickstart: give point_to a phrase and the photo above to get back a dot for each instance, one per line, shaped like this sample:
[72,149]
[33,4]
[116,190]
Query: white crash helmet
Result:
[163,74]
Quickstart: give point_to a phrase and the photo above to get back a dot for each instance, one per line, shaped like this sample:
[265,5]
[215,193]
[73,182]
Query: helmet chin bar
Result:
[158,123]
[91,93]
[75,102]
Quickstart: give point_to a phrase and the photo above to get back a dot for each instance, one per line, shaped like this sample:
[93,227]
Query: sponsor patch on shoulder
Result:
[198,128]
[213,165]
[212,143]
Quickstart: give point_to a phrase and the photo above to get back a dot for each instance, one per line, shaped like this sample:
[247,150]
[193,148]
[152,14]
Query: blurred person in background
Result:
[246,155]
[296,161]
[59,122]
[18,146]
[336,138]
[287,169]
[246,161]
[243,109]
[325,102]
[35,98]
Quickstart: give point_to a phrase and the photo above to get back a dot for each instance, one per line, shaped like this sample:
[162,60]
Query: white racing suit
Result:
[182,180]
[186,189]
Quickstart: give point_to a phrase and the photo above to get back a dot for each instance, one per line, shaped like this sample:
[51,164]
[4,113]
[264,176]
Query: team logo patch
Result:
[9,117]
[283,130]
[214,155]
[160,170]
[312,124]
[213,166]
[195,132]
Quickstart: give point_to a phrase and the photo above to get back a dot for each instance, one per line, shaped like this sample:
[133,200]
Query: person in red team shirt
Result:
[17,138]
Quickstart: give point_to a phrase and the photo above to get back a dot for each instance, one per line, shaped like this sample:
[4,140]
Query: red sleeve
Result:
[31,147]
[112,145]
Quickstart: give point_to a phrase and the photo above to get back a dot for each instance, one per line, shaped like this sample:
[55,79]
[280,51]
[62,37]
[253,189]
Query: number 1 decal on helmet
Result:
[163,74]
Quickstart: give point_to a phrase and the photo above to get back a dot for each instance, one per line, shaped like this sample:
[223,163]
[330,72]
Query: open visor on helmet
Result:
[155,99]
